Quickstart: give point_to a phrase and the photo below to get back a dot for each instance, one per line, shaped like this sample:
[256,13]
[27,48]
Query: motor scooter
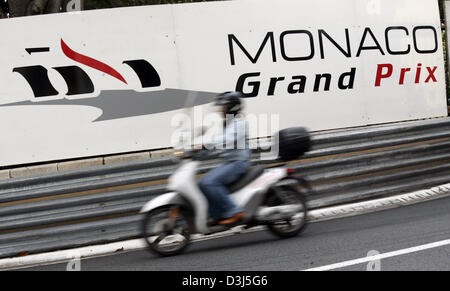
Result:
[271,196]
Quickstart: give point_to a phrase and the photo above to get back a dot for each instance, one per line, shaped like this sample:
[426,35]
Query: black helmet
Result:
[230,102]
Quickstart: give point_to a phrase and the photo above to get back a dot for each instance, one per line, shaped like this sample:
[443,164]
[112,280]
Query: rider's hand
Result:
[197,147]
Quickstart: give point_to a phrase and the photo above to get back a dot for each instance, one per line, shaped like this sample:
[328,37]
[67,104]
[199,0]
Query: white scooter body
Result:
[184,184]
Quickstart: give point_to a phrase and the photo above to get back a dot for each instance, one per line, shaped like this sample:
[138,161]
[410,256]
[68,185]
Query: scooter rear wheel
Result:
[166,230]
[288,196]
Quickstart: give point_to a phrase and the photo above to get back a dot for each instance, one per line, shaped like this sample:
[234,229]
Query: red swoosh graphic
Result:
[90,62]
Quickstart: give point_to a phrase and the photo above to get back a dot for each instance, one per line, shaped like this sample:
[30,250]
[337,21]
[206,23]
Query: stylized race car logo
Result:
[77,80]
[115,104]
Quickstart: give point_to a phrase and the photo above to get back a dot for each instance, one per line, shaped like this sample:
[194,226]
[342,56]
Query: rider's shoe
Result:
[213,222]
[235,218]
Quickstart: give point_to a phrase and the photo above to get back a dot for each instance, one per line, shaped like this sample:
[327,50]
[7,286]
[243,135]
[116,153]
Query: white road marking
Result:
[381,256]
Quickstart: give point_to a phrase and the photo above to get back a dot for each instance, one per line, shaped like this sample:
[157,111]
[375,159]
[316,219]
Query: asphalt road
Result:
[321,244]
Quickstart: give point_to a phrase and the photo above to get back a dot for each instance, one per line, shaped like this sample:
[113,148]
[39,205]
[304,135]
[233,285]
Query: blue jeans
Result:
[213,187]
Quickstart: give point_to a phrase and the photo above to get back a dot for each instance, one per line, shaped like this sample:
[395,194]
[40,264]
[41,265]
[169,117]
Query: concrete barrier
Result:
[80,164]
[33,170]
[4,174]
[126,158]
[161,153]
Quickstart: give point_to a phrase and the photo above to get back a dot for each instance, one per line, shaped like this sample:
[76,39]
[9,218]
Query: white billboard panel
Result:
[110,81]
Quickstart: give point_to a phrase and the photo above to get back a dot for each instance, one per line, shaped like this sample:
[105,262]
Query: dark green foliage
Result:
[445,46]
[97,4]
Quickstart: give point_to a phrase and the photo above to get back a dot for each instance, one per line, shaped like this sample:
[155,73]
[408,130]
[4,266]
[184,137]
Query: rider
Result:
[237,154]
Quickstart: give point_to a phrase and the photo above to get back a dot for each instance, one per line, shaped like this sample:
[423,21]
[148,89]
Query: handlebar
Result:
[200,154]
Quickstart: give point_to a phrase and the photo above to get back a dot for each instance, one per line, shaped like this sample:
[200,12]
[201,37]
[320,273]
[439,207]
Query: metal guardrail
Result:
[101,204]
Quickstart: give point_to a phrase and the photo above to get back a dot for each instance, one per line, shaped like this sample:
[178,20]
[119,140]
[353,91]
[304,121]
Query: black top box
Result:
[293,142]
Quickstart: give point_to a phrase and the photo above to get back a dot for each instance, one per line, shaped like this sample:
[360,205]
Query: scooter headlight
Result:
[178,153]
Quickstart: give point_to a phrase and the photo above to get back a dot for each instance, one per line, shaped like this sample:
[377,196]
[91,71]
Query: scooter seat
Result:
[248,177]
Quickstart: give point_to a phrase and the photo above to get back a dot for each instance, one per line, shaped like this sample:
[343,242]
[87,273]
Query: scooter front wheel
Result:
[166,230]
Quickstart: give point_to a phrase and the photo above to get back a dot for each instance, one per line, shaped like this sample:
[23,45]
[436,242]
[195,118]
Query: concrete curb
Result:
[33,170]
[79,164]
[126,158]
[4,175]
[317,215]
